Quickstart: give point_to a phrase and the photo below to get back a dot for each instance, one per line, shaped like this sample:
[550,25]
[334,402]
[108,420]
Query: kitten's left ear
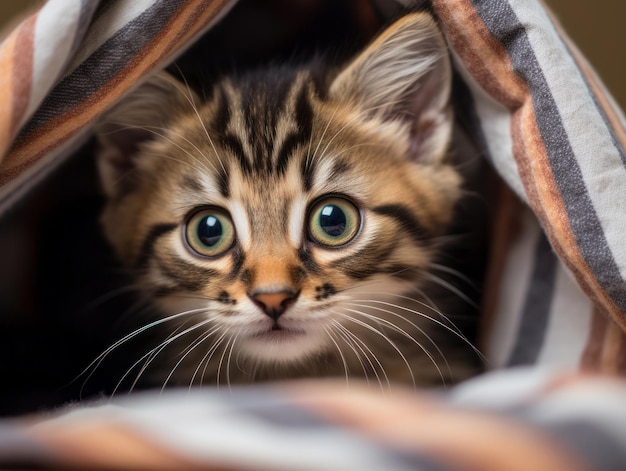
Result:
[405,74]
[142,116]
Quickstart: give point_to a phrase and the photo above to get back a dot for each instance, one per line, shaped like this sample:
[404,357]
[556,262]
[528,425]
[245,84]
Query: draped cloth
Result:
[556,300]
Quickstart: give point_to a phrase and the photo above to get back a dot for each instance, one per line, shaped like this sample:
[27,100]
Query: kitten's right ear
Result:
[404,75]
[140,117]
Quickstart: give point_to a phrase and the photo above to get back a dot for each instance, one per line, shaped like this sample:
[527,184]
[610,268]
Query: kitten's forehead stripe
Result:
[189,182]
[264,123]
[303,114]
[340,167]
[222,114]
[223,182]
[227,138]
[234,144]
[307,169]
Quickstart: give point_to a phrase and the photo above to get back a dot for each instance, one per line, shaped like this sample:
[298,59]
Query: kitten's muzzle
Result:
[274,303]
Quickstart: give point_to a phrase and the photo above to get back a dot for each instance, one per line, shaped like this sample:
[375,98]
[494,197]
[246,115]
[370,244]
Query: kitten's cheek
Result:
[177,305]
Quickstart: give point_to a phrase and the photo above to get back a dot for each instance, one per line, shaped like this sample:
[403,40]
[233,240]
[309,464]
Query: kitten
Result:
[287,225]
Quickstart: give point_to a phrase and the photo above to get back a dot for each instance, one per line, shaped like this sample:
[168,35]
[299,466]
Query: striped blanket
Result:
[554,314]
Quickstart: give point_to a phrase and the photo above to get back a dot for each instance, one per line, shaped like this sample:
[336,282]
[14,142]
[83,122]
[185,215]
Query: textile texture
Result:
[555,308]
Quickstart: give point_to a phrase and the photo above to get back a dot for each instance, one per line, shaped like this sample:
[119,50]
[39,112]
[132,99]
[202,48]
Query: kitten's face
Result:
[278,213]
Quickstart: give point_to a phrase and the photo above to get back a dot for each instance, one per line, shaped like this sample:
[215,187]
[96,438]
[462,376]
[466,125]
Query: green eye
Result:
[334,222]
[210,232]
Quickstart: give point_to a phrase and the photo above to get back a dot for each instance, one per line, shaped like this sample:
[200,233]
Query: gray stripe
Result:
[419,463]
[18,450]
[273,409]
[104,64]
[502,22]
[278,412]
[536,310]
[594,445]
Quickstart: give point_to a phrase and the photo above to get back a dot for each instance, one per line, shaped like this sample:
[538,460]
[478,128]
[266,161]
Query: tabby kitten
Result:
[286,225]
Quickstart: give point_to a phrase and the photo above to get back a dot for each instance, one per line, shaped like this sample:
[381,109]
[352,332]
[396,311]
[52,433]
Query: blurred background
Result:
[596,27]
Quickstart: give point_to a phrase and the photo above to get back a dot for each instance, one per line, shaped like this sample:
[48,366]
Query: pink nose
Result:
[275,303]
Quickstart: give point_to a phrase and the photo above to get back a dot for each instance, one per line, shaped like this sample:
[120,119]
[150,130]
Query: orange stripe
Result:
[6,90]
[612,349]
[23,70]
[504,229]
[97,444]
[482,55]
[590,360]
[620,361]
[472,40]
[453,437]
[183,26]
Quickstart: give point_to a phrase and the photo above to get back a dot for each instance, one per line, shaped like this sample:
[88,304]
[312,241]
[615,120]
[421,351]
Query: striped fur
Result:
[265,148]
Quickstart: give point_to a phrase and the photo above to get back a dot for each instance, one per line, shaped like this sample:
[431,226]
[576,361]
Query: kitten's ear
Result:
[404,74]
[142,116]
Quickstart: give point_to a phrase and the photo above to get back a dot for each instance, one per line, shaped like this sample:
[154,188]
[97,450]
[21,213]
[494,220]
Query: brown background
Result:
[598,28]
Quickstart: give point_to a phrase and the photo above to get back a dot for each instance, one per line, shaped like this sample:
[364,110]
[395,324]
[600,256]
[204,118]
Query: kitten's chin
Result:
[284,346]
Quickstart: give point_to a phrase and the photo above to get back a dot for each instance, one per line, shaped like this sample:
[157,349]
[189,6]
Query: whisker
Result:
[207,358]
[347,341]
[206,131]
[341,355]
[405,333]
[453,272]
[362,346]
[348,123]
[152,354]
[230,354]
[454,331]
[379,333]
[219,366]
[453,289]
[196,343]
[94,365]
[129,288]
[154,130]
[310,158]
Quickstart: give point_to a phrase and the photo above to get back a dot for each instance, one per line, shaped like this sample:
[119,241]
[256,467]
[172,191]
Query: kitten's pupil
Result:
[210,231]
[333,220]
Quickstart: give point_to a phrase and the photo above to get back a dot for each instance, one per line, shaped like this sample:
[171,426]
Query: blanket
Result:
[557,291]
[516,420]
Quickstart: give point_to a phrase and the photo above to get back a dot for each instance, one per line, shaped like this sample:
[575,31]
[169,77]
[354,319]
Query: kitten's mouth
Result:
[278,332]
[282,343]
